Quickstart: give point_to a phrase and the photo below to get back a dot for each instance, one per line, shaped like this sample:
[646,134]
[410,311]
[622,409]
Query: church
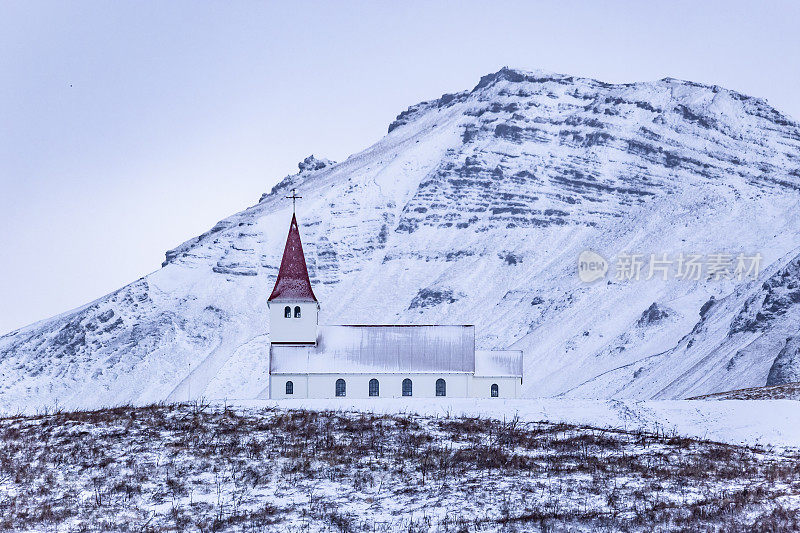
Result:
[309,360]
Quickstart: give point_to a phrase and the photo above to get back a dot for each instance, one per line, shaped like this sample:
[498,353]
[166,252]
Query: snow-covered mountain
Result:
[474,209]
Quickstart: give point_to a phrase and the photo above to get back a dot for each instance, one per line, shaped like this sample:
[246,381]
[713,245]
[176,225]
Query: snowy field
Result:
[197,467]
[751,423]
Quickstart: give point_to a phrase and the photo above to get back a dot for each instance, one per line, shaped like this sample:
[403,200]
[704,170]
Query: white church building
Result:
[308,360]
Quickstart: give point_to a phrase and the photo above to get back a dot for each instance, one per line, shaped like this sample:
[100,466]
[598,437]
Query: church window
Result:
[406,387]
[341,387]
[441,387]
[289,387]
[495,390]
[374,387]
[297,311]
[287,312]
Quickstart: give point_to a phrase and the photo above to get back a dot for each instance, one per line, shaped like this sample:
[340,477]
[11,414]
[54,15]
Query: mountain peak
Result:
[697,101]
[517,76]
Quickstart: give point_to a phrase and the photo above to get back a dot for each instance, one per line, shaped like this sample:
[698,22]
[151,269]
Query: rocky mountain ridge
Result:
[474,209]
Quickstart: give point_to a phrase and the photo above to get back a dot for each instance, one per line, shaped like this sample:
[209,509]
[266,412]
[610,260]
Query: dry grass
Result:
[195,467]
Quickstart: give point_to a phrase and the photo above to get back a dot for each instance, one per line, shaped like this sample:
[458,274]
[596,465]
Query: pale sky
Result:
[129,127]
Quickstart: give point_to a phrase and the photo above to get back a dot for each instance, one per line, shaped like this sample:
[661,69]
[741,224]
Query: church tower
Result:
[293,308]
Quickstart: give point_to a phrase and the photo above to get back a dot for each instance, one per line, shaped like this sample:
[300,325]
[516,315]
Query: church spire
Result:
[293,284]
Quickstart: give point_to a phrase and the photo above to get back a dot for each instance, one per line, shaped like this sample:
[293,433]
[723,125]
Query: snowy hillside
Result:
[192,467]
[474,209]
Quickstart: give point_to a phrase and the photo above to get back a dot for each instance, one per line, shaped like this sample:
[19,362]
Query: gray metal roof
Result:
[498,363]
[380,349]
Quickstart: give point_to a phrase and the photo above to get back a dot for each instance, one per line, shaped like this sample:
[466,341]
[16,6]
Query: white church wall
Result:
[357,385]
[277,386]
[508,387]
[303,329]
[391,385]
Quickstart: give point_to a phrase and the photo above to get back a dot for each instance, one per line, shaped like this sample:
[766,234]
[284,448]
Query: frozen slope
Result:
[474,209]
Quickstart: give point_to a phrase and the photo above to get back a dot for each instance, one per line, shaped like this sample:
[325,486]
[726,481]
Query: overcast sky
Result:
[129,127]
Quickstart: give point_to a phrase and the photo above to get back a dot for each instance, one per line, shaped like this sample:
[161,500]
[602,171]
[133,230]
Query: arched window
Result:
[341,387]
[289,387]
[441,387]
[495,390]
[297,311]
[406,387]
[287,312]
[374,387]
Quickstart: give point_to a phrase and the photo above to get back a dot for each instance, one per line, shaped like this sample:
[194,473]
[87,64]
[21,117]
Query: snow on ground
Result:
[181,467]
[748,422]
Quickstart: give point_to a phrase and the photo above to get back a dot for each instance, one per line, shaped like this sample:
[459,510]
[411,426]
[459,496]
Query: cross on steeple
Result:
[294,198]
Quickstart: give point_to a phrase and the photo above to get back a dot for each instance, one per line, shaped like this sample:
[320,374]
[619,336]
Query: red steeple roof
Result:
[293,283]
